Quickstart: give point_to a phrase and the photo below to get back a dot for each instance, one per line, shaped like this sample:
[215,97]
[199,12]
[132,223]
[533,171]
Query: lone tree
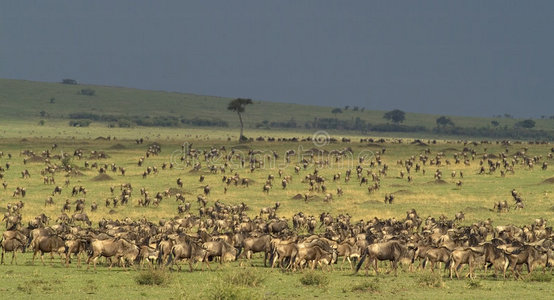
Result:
[396,116]
[495,123]
[239,105]
[444,121]
[336,111]
[526,123]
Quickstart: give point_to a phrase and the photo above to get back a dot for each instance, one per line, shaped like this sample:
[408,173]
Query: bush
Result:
[313,278]
[152,277]
[246,277]
[224,291]
[366,286]
[432,280]
[41,122]
[474,284]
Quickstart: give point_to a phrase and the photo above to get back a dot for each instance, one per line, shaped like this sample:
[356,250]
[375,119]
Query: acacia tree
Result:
[239,105]
[397,116]
[444,121]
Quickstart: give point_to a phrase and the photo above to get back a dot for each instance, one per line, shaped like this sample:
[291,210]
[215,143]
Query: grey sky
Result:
[445,57]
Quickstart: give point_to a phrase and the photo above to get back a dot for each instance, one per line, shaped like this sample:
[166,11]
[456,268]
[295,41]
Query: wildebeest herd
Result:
[204,232]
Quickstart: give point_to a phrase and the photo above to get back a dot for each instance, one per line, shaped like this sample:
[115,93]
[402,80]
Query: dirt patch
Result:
[476,208]
[298,197]
[374,145]
[314,198]
[372,202]
[101,138]
[450,149]
[102,177]
[174,191]
[35,159]
[438,181]
[548,181]
[241,147]
[199,172]
[118,147]
[403,192]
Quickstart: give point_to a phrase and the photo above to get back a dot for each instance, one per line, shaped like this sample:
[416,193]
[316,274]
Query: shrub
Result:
[432,280]
[224,291]
[474,284]
[313,278]
[246,277]
[152,277]
[366,286]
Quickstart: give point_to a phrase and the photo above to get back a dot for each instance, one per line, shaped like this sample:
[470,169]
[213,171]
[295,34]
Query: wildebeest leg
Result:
[13,257]
[2,261]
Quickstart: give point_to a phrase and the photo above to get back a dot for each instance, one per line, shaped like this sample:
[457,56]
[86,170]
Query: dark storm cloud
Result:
[451,57]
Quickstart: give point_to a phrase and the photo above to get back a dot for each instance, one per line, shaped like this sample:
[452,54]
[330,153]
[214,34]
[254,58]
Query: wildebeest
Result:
[118,248]
[47,244]
[12,241]
[222,249]
[392,251]
[190,250]
[252,245]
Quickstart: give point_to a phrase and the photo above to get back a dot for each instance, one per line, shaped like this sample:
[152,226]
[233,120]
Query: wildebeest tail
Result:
[170,257]
[359,265]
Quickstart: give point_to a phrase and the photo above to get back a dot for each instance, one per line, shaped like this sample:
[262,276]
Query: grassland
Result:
[21,103]
[25,100]
[475,198]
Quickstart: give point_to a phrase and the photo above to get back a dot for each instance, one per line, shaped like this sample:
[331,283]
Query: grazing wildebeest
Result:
[147,254]
[282,250]
[118,248]
[82,218]
[252,245]
[434,255]
[276,226]
[392,251]
[190,250]
[11,242]
[525,255]
[349,251]
[47,244]
[74,246]
[224,250]
[496,257]
[461,256]
[316,253]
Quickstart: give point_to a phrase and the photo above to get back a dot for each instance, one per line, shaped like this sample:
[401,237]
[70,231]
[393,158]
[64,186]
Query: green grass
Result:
[24,100]
[476,198]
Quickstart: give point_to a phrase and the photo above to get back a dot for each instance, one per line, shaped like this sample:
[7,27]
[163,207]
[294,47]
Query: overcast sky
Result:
[445,57]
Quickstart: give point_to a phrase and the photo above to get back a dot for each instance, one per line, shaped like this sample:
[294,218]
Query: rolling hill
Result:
[29,100]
